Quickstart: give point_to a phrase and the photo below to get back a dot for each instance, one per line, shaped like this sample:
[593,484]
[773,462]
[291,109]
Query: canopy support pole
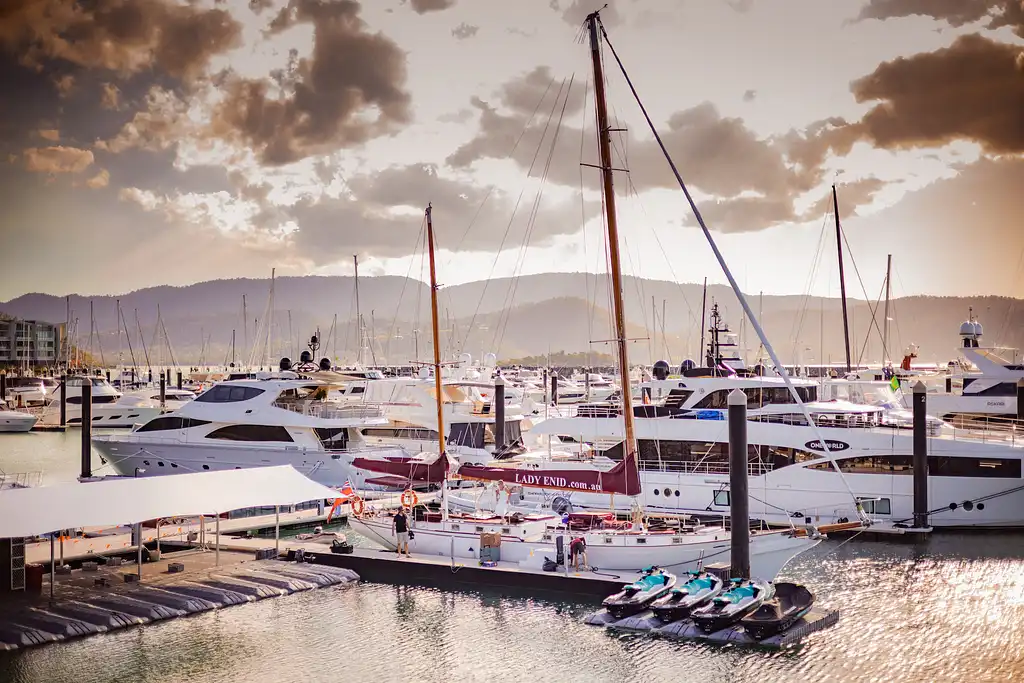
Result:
[53,572]
[216,552]
[138,539]
[277,529]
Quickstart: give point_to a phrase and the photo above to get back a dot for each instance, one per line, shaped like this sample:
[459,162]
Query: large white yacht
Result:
[253,423]
[974,476]
[15,420]
[110,408]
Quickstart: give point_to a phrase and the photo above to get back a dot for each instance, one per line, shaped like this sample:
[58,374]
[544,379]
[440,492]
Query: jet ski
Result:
[743,597]
[791,602]
[636,596]
[699,589]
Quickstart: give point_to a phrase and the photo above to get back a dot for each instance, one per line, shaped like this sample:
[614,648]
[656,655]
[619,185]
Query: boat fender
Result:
[409,498]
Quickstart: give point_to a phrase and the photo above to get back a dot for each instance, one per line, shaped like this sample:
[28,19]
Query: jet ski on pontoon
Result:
[699,589]
[743,597]
[636,596]
[791,602]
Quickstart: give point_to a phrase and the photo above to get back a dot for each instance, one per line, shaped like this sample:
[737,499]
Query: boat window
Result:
[251,433]
[876,506]
[468,434]
[76,400]
[718,399]
[224,393]
[722,498]
[357,390]
[160,424]
[938,466]
[96,382]
[74,382]
[333,438]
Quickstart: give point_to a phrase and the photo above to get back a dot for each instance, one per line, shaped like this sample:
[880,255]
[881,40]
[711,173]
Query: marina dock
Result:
[98,599]
[385,566]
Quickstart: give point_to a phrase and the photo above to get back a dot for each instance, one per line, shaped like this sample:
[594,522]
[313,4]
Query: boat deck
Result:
[385,566]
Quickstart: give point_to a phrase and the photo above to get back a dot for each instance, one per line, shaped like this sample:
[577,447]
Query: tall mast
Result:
[437,336]
[703,312]
[654,331]
[232,348]
[605,149]
[359,318]
[885,320]
[842,277]
[245,329]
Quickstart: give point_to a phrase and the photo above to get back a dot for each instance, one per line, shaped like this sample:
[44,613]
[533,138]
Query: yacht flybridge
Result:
[254,423]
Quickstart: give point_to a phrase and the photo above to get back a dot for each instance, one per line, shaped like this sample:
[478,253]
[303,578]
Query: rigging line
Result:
[532,219]
[405,283]
[871,309]
[867,337]
[515,208]
[732,282]
[798,323]
[1013,300]
[512,151]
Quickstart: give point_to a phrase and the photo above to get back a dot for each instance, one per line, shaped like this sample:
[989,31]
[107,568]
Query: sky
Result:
[148,142]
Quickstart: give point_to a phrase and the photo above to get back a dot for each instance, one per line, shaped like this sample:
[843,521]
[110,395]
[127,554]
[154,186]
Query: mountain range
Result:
[511,317]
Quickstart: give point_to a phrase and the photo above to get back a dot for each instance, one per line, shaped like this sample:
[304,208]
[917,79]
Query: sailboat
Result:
[527,538]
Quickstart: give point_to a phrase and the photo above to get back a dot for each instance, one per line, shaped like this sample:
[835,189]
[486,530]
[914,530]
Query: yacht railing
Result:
[754,469]
[20,480]
[986,428]
[332,411]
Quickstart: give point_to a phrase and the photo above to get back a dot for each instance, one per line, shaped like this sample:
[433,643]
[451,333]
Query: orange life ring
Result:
[409,498]
[357,506]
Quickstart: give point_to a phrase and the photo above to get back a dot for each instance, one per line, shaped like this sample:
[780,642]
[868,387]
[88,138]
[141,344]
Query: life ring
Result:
[357,506]
[409,498]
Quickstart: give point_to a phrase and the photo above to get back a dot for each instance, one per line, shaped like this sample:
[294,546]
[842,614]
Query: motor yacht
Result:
[279,420]
[110,409]
[15,420]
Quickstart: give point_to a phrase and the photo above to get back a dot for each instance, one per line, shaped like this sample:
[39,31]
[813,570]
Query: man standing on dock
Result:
[400,526]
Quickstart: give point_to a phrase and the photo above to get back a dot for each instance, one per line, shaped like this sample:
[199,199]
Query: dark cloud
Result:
[351,71]
[972,90]
[754,180]
[999,13]
[58,159]
[424,6]
[383,216]
[849,195]
[749,95]
[123,36]
[464,31]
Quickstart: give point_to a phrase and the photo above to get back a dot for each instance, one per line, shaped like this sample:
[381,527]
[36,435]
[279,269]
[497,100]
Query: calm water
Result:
[950,610]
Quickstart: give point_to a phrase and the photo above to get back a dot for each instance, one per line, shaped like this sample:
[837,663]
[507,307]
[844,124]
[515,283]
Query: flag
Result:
[346,493]
[895,383]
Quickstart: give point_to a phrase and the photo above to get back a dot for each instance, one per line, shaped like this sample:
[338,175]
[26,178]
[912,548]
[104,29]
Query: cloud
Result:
[424,6]
[110,97]
[161,124]
[1000,13]
[973,90]
[850,196]
[57,159]
[123,36]
[350,90]
[464,31]
[101,179]
[383,216]
[749,95]
[576,12]
[49,134]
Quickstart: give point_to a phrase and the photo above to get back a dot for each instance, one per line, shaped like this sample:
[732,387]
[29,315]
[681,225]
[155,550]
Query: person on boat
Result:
[400,527]
[577,552]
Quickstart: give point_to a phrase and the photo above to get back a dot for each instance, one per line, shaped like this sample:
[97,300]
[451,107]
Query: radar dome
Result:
[285,364]
[490,360]
[305,357]
[967,328]
[325,364]
[687,365]
[978,329]
[424,372]
[660,370]
[465,360]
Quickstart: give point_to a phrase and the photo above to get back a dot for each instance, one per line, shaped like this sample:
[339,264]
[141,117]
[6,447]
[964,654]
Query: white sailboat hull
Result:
[769,552]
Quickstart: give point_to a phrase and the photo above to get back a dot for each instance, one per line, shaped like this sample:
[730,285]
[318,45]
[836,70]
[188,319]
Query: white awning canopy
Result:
[44,509]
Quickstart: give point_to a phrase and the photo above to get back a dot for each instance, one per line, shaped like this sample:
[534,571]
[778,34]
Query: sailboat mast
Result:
[842,276]
[437,335]
[359,317]
[703,312]
[605,149]
[245,328]
[885,320]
